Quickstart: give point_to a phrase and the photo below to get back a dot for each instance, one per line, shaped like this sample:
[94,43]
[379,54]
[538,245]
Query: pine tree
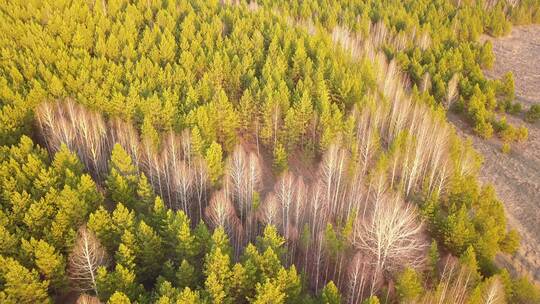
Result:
[280,158]
[214,160]
[122,179]
[468,260]
[119,298]
[217,268]
[289,281]
[177,236]
[269,293]
[409,286]
[187,296]
[197,142]
[100,223]
[185,275]
[486,55]
[271,240]
[372,300]
[49,263]
[120,280]
[458,231]
[433,260]
[167,47]
[145,193]
[330,294]
[149,252]
[20,285]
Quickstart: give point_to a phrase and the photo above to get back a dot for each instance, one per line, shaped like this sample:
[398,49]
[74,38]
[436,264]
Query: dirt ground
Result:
[516,176]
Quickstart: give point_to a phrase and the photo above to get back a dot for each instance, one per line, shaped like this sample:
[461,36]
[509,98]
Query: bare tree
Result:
[425,85]
[270,211]
[86,257]
[493,291]
[244,175]
[284,190]
[87,299]
[81,130]
[452,92]
[391,235]
[454,285]
[220,213]
[200,184]
[332,176]
[361,274]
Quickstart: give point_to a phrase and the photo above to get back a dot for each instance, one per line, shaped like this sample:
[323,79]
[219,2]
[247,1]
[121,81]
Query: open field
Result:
[516,176]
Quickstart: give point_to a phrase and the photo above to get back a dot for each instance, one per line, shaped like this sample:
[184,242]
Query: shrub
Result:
[505,148]
[409,285]
[515,108]
[533,114]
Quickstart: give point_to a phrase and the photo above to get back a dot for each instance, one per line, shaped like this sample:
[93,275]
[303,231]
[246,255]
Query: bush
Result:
[522,134]
[505,148]
[484,129]
[515,108]
[533,114]
[409,285]
[525,292]
[486,55]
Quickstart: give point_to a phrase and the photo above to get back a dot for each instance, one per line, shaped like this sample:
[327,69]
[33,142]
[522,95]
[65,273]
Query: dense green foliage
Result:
[158,257]
[43,204]
[436,43]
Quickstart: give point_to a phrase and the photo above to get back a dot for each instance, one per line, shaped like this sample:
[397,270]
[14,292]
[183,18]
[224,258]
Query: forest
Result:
[204,151]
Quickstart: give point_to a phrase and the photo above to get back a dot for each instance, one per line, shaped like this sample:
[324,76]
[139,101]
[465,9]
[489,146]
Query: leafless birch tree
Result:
[87,255]
[391,235]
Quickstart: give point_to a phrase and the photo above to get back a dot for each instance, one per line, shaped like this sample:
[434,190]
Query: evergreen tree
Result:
[49,263]
[119,298]
[122,179]
[408,286]
[372,300]
[433,261]
[214,160]
[280,158]
[468,260]
[217,269]
[187,296]
[269,293]
[149,252]
[330,294]
[20,285]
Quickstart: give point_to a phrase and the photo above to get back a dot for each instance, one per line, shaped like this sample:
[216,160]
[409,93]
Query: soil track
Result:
[516,176]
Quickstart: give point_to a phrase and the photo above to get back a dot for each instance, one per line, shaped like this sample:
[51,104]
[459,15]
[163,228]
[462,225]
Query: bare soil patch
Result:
[516,175]
[519,53]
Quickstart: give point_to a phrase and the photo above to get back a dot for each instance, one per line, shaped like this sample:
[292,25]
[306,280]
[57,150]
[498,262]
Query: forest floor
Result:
[516,176]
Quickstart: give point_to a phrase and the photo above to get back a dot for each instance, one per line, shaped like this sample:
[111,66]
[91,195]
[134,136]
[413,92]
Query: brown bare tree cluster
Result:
[344,228]
[234,206]
[456,286]
[417,140]
[79,129]
[176,175]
